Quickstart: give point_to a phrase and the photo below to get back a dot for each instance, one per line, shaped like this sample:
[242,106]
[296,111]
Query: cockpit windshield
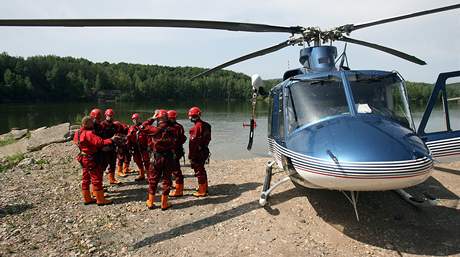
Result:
[381,95]
[309,101]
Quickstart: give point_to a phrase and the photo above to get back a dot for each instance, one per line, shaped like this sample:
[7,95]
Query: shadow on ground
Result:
[233,191]
[388,222]
[452,171]
[14,209]
[218,194]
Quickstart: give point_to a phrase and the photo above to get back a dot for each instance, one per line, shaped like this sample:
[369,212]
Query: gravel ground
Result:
[41,214]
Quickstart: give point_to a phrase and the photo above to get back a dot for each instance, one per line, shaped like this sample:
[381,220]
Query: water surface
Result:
[229,137]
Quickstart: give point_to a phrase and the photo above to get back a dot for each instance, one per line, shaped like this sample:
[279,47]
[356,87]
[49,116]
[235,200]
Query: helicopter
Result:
[329,127]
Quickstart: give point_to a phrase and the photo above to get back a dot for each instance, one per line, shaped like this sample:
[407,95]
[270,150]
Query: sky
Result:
[433,38]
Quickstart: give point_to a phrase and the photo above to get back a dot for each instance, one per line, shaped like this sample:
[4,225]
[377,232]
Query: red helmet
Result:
[109,112]
[194,111]
[162,114]
[135,116]
[172,114]
[95,113]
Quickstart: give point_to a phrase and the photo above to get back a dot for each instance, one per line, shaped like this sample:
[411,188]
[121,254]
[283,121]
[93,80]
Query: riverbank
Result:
[41,214]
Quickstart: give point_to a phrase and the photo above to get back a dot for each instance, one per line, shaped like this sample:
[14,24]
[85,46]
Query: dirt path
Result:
[41,215]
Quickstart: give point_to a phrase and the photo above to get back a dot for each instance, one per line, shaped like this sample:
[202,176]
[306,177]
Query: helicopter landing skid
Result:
[267,189]
[416,201]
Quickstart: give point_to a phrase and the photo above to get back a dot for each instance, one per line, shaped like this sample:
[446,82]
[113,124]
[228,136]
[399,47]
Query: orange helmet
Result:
[194,111]
[172,114]
[109,112]
[95,113]
[135,116]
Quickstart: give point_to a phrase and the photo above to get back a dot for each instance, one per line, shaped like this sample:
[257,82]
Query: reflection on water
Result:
[437,121]
[229,137]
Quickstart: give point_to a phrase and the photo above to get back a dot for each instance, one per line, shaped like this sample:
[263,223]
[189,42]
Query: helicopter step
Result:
[267,189]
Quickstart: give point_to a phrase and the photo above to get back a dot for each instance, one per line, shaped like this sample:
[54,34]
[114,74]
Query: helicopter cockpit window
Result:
[311,101]
[384,95]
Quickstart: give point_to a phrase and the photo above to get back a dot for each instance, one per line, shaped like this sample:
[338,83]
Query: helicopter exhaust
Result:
[318,58]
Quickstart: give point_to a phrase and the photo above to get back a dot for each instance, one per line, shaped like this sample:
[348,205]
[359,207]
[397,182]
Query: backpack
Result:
[164,140]
[206,133]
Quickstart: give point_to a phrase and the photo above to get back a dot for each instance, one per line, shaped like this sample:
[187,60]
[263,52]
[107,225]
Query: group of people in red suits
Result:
[156,145]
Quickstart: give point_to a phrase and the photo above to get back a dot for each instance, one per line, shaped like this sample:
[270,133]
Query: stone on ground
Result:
[45,136]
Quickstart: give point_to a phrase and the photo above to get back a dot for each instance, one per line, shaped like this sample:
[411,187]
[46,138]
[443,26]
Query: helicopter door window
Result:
[438,120]
[453,102]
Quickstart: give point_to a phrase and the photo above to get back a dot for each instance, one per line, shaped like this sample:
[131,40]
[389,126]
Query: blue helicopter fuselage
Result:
[347,130]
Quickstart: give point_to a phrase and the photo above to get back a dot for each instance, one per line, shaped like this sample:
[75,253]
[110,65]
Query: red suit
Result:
[161,141]
[180,138]
[123,154]
[90,144]
[148,122]
[107,130]
[200,136]
[138,143]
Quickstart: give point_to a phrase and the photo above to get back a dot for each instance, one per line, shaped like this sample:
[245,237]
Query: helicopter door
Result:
[444,143]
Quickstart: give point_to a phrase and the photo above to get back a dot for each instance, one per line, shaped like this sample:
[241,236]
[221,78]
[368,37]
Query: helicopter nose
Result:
[358,139]
[356,154]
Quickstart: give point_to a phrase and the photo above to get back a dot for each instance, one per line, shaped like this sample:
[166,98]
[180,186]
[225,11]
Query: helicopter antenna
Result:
[343,58]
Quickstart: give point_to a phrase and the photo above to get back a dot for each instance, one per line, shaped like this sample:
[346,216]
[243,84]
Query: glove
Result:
[116,139]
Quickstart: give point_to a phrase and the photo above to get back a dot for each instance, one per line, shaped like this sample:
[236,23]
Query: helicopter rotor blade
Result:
[198,24]
[385,49]
[247,57]
[353,27]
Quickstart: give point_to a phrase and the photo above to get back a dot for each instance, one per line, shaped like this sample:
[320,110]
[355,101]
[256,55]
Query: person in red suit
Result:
[138,145]
[200,136]
[123,152]
[162,145]
[109,128]
[90,144]
[96,116]
[180,139]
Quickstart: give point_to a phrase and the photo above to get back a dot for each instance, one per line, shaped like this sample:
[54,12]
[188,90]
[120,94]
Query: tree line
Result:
[53,78]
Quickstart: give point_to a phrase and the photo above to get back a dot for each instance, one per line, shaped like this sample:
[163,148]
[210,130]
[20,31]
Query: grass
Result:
[41,162]
[7,140]
[11,161]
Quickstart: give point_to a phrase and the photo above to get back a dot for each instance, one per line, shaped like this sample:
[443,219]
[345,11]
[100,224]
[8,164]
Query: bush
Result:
[11,161]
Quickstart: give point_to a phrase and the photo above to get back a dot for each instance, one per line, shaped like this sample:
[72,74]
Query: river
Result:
[229,138]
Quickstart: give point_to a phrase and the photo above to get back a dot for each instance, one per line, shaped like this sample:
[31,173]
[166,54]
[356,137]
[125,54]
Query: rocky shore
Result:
[41,214]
